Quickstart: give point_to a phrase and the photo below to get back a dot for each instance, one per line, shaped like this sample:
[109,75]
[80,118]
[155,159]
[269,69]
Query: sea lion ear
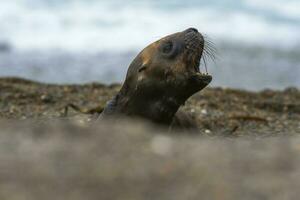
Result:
[142,67]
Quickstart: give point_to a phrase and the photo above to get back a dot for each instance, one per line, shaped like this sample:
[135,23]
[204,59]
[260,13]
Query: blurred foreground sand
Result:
[124,160]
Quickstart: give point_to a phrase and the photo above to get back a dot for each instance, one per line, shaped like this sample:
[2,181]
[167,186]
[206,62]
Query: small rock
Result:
[207,131]
[204,111]
[46,98]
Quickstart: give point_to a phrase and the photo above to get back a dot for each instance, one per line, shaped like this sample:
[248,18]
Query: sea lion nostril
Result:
[192,30]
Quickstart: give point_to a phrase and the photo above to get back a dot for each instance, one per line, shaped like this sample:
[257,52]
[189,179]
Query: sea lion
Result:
[161,78]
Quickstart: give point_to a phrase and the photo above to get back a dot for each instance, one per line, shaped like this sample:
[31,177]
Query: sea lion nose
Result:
[191,30]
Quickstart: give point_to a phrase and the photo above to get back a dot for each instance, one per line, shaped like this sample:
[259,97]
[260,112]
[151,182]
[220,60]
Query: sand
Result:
[247,146]
[218,111]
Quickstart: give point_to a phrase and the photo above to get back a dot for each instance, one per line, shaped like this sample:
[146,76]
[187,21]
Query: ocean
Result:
[79,41]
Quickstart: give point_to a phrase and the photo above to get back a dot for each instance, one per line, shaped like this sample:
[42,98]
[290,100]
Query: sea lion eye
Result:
[167,47]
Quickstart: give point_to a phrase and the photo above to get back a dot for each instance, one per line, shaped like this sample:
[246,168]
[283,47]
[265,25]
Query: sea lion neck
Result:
[152,105]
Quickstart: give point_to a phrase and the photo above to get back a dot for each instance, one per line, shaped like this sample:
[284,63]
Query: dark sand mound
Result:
[63,160]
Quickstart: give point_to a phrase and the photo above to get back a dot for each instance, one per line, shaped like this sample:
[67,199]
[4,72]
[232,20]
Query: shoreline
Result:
[218,111]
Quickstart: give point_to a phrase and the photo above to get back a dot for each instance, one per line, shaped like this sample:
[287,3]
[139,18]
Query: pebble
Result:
[204,111]
[207,131]
[46,98]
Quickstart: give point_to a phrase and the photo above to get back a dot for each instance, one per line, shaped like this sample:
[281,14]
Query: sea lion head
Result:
[164,75]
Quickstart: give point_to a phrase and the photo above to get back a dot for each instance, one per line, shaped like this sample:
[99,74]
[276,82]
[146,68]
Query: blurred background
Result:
[78,41]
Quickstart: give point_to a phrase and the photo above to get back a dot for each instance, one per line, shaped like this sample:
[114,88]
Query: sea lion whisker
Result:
[204,60]
[208,39]
[209,44]
[211,51]
[208,53]
[212,56]
[210,47]
[208,56]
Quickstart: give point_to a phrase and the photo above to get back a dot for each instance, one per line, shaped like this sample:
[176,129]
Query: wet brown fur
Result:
[158,81]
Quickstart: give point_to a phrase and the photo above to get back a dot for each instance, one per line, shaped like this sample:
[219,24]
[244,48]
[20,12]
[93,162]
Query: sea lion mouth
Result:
[196,49]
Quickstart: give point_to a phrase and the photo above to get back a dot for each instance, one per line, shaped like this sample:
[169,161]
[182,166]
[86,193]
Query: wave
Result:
[288,9]
[104,25]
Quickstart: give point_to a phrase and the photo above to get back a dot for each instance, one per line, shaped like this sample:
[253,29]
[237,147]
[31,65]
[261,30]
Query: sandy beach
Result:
[218,111]
[247,146]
